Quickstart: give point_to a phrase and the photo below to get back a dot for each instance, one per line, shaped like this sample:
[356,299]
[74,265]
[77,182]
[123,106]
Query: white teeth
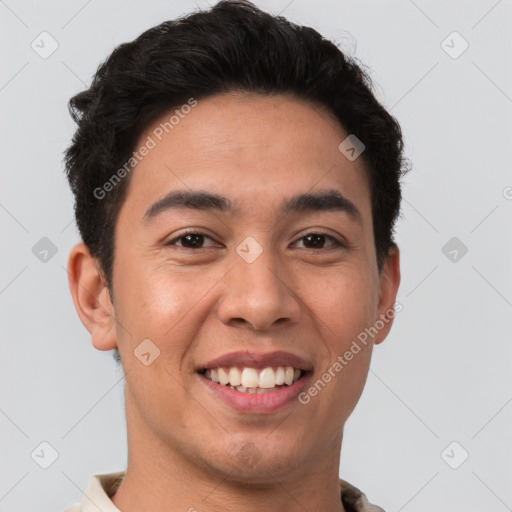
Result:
[252,380]
[235,377]
[288,375]
[223,376]
[267,378]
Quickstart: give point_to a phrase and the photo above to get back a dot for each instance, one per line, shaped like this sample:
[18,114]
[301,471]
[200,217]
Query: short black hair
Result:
[234,46]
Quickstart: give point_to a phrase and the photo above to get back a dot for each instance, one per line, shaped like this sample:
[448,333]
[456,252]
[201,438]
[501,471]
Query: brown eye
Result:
[194,240]
[191,240]
[318,241]
[314,241]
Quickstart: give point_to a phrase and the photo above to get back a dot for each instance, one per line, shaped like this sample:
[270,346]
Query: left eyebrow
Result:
[328,200]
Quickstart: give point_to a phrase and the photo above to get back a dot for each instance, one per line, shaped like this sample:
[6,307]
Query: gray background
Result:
[443,374]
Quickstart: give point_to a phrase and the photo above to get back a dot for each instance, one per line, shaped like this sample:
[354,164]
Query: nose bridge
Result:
[262,272]
[257,290]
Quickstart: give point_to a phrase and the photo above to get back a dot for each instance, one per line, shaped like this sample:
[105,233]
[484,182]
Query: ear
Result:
[91,297]
[389,283]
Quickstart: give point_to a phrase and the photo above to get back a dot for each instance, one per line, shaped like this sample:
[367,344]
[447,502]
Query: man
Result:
[236,187]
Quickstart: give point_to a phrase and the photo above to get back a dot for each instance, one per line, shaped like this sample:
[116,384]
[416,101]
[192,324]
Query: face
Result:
[245,241]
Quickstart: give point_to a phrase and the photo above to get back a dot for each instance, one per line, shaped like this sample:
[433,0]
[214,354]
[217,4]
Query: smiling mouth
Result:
[253,380]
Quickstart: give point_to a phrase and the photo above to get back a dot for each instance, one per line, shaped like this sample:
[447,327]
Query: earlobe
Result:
[389,283]
[91,297]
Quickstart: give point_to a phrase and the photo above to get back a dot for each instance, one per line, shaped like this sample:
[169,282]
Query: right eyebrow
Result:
[198,200]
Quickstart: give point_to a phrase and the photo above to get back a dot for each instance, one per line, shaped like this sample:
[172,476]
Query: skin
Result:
[196,304]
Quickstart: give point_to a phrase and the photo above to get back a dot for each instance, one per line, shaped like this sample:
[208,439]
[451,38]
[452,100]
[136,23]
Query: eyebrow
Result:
[328,200]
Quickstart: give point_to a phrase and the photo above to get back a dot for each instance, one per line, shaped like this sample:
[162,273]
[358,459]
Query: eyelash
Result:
[335,241]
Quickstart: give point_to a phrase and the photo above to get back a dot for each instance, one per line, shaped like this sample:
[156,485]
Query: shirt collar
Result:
[98,492]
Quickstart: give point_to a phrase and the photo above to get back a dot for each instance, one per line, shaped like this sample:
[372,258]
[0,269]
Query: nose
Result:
[258,294]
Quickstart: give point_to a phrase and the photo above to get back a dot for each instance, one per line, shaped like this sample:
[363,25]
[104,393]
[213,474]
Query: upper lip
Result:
[255,360]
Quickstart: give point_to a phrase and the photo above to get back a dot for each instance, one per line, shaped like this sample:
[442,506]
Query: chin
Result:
[257,462]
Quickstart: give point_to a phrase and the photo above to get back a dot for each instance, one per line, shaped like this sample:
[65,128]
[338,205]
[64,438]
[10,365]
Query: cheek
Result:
[166,304]
[343,302]
[160,305]
[341,311]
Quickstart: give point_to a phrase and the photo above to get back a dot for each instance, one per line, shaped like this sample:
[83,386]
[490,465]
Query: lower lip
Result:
[267,402]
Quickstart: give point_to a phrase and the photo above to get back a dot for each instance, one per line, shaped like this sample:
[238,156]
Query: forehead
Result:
[255,149]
